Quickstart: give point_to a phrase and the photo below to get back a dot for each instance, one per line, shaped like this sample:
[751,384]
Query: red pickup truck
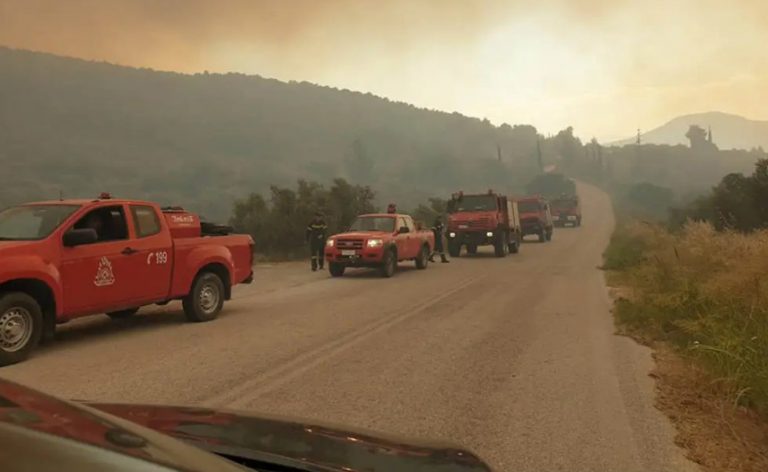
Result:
[381,241]
[65,259]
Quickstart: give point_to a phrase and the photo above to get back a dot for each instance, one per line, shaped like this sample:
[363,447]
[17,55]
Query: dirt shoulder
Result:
[713,430]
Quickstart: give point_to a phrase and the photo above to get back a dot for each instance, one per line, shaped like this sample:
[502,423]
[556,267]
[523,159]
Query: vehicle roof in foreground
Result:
[78,437]
[289,441]
[63,436]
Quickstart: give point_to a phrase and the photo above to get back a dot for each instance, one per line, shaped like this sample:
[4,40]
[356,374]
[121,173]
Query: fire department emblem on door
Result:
[104,274]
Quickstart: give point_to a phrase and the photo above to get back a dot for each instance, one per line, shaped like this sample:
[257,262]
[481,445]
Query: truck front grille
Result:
[479,223]
[349,243]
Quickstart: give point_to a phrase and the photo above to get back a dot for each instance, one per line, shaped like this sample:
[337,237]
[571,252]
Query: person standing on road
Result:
[315,236]
[439,229]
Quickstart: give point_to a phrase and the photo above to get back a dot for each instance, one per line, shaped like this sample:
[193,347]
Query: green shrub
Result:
[704,292]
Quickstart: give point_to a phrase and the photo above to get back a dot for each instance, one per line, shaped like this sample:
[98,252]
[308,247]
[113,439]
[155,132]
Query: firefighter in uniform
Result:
[439,229]
[316,234]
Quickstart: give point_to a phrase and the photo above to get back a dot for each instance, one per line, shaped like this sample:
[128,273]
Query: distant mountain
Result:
[204,140]
[728,131]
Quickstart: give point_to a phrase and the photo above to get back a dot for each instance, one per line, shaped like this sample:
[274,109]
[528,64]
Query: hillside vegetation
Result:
[206,140]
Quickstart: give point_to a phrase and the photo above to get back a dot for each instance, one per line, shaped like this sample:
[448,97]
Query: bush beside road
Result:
[703,293]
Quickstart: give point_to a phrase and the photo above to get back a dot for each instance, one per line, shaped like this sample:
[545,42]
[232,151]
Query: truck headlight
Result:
[330,243]
[375,242]
[451,235]
[489,234]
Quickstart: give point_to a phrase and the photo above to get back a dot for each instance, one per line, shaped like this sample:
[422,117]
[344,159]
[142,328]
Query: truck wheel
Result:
[472,249]
[122,314]
[389,264]
[514,247]
[206,299]
[336,269]
[500,247]
[423,258]
[454,250]
[21,326]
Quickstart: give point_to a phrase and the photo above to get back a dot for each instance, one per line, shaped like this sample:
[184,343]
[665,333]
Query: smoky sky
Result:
[604,67]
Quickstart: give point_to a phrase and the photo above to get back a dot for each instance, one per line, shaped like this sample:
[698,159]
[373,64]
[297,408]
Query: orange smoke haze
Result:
[605,67]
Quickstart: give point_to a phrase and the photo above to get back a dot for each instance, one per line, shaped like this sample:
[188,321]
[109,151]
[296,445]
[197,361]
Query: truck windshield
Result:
[564,204]
[32,222]
[528,206]
[474,203]
[373,223]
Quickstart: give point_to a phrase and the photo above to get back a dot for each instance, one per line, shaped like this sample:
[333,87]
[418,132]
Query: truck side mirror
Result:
[403,230]
[79,237]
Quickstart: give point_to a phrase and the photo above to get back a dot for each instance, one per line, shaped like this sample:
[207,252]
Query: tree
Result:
[699,138]
[360,163]
[737,202]
[278,227]
[649,201]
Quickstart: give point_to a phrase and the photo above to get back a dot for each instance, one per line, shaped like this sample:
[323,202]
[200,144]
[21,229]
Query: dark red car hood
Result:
[293,443]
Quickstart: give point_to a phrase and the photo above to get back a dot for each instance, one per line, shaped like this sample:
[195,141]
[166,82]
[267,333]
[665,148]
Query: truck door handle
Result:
[128,251]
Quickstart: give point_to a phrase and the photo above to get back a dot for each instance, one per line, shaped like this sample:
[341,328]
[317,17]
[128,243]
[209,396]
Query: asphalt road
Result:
[514,358]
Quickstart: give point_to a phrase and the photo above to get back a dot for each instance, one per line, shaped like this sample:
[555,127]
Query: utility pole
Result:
[498,152]
[638,142]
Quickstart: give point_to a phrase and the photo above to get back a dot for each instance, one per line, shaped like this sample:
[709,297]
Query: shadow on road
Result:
[101,325]
[150,318]
[403,270]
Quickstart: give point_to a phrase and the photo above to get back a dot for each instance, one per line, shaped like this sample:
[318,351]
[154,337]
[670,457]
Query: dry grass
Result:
[705,292]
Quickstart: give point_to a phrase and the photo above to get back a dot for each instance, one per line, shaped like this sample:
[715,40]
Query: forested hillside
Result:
[205,140]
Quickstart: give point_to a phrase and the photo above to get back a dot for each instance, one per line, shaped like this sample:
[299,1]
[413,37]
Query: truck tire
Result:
[472,249]
[21,326]
[389,264]
[454,249]
[423,258]
[206,299]
[500,247]
[514,247]
[336,269]
[122,314]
